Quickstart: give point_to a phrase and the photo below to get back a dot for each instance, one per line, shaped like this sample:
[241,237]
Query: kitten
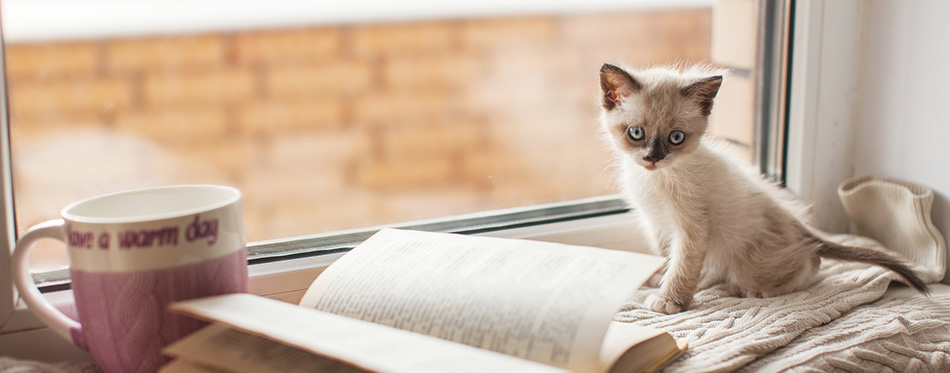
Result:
[710,216]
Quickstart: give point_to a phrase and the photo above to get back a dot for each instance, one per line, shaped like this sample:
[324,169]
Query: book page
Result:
[182,366]
[541,301]
[629,347]
[220,348]
[362,345]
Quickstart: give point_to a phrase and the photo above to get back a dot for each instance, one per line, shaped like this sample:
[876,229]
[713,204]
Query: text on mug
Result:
[197,229]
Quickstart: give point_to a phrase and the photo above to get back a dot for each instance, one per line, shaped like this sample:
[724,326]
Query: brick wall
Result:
[334,127]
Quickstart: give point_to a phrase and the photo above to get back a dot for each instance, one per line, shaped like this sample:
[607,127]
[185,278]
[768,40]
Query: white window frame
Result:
[820,150]
[22,335]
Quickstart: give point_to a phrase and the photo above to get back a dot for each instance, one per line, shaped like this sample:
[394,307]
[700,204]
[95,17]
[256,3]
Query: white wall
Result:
[903,111]
[875,99]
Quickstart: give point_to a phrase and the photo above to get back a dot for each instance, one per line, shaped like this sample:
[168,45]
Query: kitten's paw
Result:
[661,304]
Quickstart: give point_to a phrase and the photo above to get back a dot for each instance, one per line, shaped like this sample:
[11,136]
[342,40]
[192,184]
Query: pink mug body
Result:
[131,255]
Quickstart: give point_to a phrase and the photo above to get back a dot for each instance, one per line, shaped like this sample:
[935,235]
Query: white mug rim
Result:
[235,196]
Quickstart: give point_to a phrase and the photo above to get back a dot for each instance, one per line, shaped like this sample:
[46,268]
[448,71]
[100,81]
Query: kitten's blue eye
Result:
[677,137]
[635,133]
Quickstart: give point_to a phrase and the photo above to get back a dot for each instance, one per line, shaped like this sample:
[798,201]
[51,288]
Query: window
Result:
[285,104]
[351,120]
[329,125]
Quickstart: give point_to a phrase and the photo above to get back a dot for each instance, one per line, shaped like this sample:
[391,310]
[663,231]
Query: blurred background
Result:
[342,122]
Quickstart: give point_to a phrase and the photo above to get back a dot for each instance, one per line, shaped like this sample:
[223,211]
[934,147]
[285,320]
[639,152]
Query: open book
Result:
[409,301]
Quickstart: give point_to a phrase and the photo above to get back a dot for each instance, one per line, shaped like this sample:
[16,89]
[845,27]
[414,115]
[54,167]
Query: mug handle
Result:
[66,327]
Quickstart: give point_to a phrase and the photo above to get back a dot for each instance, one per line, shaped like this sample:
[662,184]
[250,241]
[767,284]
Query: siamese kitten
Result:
[710,216]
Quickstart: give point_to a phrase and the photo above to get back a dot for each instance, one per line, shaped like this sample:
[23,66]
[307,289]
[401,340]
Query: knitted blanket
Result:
[846,321]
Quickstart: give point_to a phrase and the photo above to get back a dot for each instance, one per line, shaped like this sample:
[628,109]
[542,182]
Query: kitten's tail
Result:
[833,250]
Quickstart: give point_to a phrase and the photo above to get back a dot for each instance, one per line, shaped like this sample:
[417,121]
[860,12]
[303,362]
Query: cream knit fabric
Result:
[897,214]
[847,321]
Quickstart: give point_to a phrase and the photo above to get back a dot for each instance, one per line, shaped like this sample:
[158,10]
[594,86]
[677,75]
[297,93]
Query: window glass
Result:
[330,126]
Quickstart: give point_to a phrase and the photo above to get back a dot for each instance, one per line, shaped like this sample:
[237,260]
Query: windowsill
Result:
[287,280]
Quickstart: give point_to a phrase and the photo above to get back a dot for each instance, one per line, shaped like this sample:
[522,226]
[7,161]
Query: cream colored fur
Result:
[712,217]
[709,215]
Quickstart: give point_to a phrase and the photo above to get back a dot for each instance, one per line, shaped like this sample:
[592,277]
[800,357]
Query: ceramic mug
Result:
[131,254]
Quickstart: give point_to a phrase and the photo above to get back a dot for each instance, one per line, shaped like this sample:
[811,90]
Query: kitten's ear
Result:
[616,84]
[702,92]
